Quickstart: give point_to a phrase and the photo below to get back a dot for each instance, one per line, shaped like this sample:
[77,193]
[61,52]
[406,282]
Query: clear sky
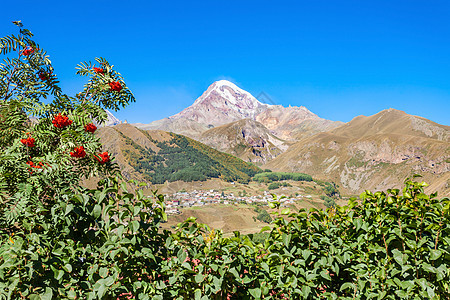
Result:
[340,59]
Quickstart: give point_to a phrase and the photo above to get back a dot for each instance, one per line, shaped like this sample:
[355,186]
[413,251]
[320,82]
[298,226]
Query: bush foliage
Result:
[60,240]
[276,185]
[278,176]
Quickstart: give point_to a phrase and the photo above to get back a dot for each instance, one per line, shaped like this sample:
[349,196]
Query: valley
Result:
[231,207]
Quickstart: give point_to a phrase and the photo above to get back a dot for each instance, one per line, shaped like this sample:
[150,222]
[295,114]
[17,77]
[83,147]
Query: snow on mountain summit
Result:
[223,102]
[231,92]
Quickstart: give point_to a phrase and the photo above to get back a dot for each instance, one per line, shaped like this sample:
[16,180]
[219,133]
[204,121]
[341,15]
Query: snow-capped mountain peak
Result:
[223,102]
[228,90]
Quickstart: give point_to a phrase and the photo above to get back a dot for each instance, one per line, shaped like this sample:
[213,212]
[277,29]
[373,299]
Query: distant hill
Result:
[246,139]
[185,127]
[375,152]
[293,122]
[157,156]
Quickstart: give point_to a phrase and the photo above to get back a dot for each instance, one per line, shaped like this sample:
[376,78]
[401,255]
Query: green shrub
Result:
[274,186]
[263,215]
[329,202]
[279,176]
[259,238]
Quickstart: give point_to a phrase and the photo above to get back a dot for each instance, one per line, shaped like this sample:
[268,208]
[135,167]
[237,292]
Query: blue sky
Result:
[340,59]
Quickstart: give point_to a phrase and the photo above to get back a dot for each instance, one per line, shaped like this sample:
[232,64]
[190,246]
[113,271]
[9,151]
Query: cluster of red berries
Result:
[98,70]
[36,166]
[115,86]
[102,157]
[78,152]
[29,142]
[61,121]
[39,165]
[90,128]
[27,51]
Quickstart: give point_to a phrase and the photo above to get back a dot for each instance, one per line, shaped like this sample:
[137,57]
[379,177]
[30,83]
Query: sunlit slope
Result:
[156,156]
[374,152]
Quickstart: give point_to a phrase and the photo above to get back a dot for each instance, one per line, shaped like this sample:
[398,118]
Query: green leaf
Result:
[398,256]
[286,239]
[101,290]
[59,274]
[47,295]
[265,267]
[256,293]
[67,268]
[285,211]
[173,279]
[435,254]
[402,294]
[71,294]
[306,254]
[181,255]
[134,226]
[306,290]
[198,294]
[347,285]
[430,292]
[69,208]
[103,272]
[325,274]
[108,281]
[97,211]
[199,278]
[265,228]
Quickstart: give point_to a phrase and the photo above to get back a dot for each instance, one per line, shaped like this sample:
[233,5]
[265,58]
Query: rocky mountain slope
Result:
[156,156]
[246,139]
[375,152]
[294,123]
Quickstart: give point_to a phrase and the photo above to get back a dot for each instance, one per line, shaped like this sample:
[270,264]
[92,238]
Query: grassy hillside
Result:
[375,152]
[158,156]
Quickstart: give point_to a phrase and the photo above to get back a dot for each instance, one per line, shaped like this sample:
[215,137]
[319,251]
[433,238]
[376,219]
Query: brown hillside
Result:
[375,152]
[114,140]
[246,139]
[157,156]
[294,123]
[185,127]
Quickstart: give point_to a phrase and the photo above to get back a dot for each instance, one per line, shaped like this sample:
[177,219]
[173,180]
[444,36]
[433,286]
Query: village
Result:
[197,198]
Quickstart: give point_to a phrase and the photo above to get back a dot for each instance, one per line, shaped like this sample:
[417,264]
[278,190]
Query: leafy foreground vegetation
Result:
[60,240]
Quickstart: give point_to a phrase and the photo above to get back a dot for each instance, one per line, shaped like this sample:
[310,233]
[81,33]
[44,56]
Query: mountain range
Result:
[223,102]
[374,152]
